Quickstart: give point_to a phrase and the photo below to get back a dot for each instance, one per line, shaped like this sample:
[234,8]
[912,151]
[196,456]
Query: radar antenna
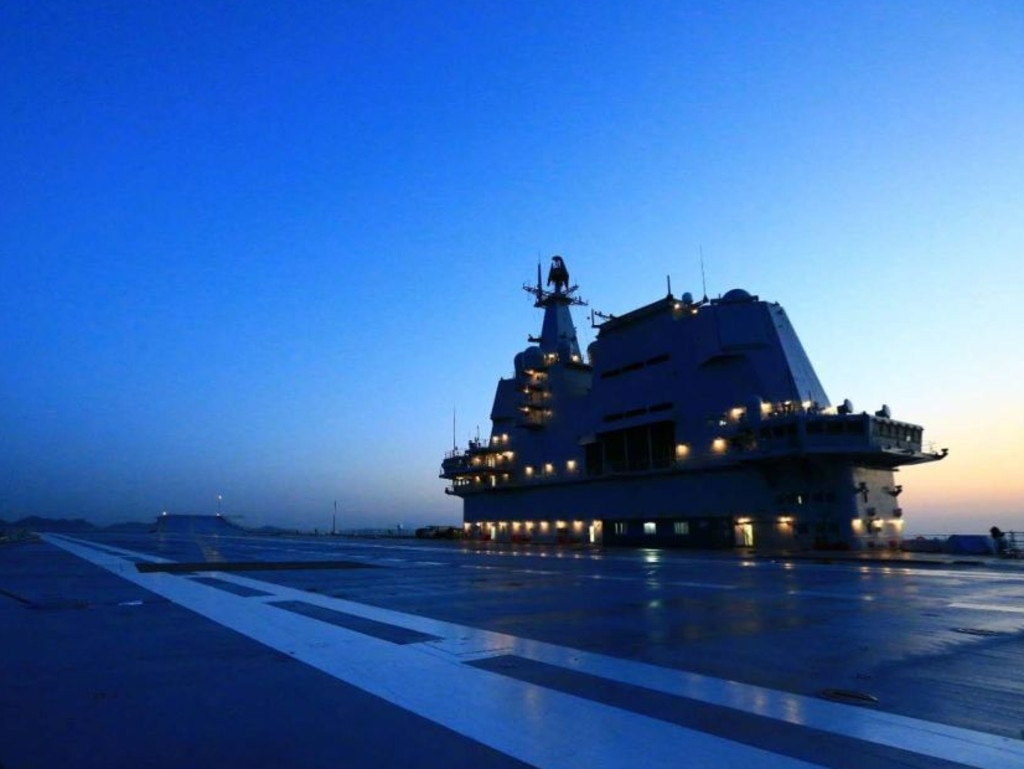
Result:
[558,276]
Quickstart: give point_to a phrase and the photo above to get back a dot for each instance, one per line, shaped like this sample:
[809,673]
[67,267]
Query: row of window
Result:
[679,528]
[836,427]
[637,412]
[799,499]
[898,431]
[632,449]
[682,528]
[634,366]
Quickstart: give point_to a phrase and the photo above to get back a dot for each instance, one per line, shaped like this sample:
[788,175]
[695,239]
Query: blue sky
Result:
[263,249]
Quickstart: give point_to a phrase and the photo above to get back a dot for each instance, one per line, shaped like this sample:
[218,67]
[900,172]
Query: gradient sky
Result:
[262,249]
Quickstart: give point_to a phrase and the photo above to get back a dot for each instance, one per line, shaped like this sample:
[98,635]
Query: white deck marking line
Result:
[121,551]
[969,747]
[460,642]
[647,578]
[832,596]
[525,721]
[987,607]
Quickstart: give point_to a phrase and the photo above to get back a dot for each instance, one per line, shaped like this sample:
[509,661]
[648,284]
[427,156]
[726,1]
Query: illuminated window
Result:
[650,527]
[681,527]
[619,527]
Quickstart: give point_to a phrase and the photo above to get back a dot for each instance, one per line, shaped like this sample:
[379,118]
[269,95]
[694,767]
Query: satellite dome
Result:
[737,295]
[533,358]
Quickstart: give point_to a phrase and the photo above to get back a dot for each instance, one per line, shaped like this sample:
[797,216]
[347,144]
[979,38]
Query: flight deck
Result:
[219,648]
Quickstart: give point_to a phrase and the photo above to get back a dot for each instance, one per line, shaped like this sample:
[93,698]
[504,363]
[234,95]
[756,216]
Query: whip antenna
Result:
[703,281]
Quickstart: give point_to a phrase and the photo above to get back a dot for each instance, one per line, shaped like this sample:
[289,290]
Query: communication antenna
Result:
[668,281]
[703,281]
[454,443]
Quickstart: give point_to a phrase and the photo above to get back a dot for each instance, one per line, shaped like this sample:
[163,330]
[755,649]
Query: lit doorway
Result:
[744,533]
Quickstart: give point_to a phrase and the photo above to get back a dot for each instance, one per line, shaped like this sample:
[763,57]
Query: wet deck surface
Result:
[206,649]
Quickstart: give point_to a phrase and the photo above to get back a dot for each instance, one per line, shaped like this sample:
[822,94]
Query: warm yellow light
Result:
[742,520]
[571,465]
[528,470]
[577,525]
[785,519]
[544,525]
[549,468]
[737,412]
[858,526]
[682,450]
[718,444]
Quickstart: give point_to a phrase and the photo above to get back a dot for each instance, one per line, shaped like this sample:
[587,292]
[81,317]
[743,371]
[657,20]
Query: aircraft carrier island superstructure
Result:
[690,423]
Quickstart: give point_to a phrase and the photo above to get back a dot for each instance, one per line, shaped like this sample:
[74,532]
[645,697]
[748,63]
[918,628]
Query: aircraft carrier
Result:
[200,644]
[696,423]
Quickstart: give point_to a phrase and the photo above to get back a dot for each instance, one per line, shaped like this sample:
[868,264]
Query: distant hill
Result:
[65,525]
[70,525]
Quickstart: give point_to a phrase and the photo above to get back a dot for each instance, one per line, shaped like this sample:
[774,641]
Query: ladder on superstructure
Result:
[1014,545]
